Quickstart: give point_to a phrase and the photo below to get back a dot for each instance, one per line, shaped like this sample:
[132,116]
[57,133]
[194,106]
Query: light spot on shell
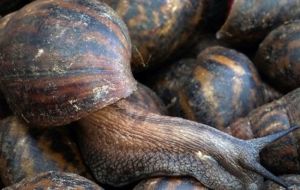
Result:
[39,53]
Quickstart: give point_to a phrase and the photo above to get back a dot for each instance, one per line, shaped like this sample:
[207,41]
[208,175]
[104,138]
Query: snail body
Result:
[55,180]
[69,59]
[292,179]
[170,183]
[26,151]
[158,27]
[281,157]
[278,58]
[218,87]
[150,144]
[249,21]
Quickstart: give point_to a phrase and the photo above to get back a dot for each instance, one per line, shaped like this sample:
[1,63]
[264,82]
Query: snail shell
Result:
[26,151]
[55,180]
[249,21]
[278,57]
[158,27]
[217,88]
[281,157]
[291,179]
[170,183]
[60,60]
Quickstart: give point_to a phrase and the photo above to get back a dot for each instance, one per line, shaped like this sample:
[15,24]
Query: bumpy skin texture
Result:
[283,156]
[123,143]
[26,152]
[55,181]
[7,6]
[292,179]
[158,27]
[217,88]
[170,183]
[249,21]
[278,56]
[61,60]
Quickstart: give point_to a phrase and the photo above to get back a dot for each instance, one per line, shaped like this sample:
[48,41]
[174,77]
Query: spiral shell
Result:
[249,21]
[60,60]
[278,57]
[170,183]
[158,27]
[26,152]
[55,180]
[217,88]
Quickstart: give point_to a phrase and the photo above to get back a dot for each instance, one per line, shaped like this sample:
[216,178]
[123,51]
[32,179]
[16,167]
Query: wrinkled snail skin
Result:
[26,151]
[249,21]
[278,57]
[170,183]
[291,179]
[143,144]
[218,87]
[55,181]
[281,157]
[158,27]
[60,60]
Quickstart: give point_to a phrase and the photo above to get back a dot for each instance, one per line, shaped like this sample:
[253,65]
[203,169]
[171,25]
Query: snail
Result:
[218,87]
[68,73]
[159,27]
[145,144]
[281,157]
[57,67]
[55,180]
[26,151]
[7,6]
[278,57]
[249,21]
[292,178]
[170,183]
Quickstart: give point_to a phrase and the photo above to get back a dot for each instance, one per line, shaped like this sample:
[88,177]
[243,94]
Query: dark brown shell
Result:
[158,27]
[61,60]
[249,21]
[219,87]
[283,156]
[55,181]
[293,180]
[26,152]
[170,183]
[7,6]
[278,56]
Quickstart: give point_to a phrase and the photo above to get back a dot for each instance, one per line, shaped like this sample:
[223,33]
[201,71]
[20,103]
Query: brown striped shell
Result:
[170,183]
[7,6]
[26,152]
[293,179]
[218,87]
[278,56]
[60,60]
[158,27]
[55,181]
[283,156]
[249,21]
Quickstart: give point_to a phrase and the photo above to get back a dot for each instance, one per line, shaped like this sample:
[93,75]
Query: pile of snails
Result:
[139,94]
